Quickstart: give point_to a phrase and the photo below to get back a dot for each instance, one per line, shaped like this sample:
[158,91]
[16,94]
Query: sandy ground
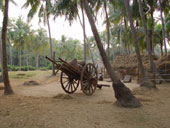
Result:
[48,106]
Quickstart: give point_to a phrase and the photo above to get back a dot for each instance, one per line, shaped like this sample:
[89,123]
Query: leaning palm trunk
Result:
[163,28]
[122,93]
[153,67]
[8,89]
[144,79]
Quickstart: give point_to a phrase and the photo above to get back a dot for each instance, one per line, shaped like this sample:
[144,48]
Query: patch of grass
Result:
[21,75]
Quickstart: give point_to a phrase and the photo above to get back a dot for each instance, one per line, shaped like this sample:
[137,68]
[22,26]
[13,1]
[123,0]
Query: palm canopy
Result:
[42,7]
[69,8]
[2,4]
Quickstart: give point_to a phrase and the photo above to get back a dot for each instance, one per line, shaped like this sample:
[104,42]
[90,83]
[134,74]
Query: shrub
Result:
[49,67]
[43,68]
[23,68]
[31,68]
[14,68]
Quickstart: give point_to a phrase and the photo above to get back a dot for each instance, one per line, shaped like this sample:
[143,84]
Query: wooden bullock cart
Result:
[73,74]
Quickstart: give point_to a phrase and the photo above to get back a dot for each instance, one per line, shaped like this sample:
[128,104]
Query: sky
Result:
[58,27]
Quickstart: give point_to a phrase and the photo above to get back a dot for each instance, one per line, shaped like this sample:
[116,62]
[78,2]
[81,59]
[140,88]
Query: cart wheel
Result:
[89,79]
[68,84]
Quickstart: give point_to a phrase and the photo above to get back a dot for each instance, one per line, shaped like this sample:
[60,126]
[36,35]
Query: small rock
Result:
[31,83]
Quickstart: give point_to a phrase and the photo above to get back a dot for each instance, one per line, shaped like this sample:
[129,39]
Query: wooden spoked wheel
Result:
[68,83]
[89,79]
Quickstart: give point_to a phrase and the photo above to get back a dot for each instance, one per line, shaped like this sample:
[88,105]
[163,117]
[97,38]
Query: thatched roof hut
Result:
[129,63]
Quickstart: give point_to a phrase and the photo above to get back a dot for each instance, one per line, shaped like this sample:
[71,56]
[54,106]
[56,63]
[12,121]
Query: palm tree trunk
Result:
[153,66]
[27,60]
[152,32]
[84,32]
[8,89]
[127,42]
[163,28]
[1,60]
[20,59]
[108,31]
[51,50]
[122,93]
[161,47]
[37,61]
[10,52]
[120,36]
[144,79]
[87,41]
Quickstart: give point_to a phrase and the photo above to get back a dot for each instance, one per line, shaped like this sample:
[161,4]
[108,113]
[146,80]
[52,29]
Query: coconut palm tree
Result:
[20,36]
[158,36]
[152,4]
[167,27]
[43,13]
[2,8]
[122,93]
[118,17]
[1,59]
[84,31]
[104,4]
[8,89]
[144,79]
[163,26]
[39,43]
[153,66]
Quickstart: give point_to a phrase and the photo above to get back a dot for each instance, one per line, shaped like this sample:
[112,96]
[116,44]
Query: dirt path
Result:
[52,87]
[48,106]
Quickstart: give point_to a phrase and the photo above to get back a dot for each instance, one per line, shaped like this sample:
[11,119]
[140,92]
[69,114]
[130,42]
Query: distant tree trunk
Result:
[161,47]
[127,38]
[122,93]
[152,31]
[163,28]
[10,52]
[54,59]
[87,41]
[120,36]
[37,61]
[27,60]
[153,66]
[1,60]
[168,38]
[8,90]
[20,59]
[107,28]
[51,50]
[84,32]
[144,79]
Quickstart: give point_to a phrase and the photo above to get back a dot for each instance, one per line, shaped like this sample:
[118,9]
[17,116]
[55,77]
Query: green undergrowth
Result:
[22,75]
